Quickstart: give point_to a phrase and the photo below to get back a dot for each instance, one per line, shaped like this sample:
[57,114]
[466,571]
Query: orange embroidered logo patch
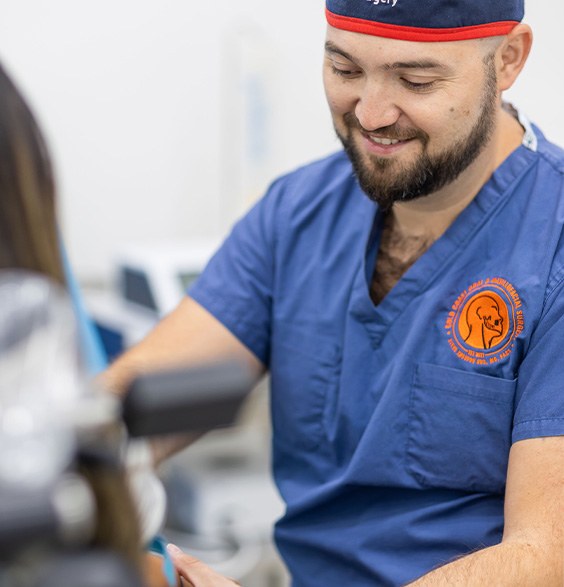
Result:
[484,321]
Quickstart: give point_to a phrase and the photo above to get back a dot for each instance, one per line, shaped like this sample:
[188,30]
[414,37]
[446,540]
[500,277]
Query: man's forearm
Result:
[505,565]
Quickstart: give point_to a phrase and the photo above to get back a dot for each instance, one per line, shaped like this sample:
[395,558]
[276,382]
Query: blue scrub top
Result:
[393,423]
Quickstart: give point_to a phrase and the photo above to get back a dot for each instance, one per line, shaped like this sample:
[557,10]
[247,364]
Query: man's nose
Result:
[376,107]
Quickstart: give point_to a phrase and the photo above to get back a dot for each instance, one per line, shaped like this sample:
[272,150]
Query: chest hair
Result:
[396,255]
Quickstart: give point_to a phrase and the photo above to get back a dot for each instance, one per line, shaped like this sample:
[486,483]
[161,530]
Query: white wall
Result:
[166,118]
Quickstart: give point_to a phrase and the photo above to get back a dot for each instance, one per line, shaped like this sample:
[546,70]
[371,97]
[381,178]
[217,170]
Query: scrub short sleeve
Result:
[539,409]
[236,286]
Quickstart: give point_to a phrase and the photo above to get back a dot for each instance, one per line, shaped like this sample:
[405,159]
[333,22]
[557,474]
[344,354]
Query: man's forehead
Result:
[429,22]
[395,54]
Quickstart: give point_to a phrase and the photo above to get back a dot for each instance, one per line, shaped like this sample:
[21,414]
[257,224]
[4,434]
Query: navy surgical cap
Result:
[426,20]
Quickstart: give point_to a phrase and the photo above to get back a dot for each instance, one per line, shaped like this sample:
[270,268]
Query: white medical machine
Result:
[150,280]
[156,276]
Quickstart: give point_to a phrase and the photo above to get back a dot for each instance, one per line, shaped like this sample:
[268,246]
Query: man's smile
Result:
[383,145]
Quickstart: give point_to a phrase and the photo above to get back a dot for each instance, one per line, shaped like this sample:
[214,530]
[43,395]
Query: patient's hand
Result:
[195,573]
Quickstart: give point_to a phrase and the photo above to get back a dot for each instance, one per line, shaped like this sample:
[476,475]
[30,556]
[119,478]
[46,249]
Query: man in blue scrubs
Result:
[405,295]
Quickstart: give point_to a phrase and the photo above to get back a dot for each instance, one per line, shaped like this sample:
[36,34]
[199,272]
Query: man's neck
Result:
[412,227]
[430,216]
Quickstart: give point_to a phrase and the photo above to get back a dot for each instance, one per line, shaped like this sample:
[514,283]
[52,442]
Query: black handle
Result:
[196,399]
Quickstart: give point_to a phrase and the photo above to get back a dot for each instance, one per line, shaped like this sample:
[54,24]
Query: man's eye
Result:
[418,86]
[343,72]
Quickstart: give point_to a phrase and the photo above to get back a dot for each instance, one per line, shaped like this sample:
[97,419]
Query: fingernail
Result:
[173,549]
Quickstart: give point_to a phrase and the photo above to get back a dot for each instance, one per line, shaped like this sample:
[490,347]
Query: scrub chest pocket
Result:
[459,429]
[304,371]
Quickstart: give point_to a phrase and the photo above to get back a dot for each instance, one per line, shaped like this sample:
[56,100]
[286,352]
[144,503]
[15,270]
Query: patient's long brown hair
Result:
[28,230]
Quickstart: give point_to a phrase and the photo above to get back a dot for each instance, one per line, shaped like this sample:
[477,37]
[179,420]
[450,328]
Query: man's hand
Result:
[195,573]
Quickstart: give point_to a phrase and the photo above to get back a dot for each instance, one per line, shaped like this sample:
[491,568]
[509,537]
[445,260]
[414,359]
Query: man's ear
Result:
[512,55]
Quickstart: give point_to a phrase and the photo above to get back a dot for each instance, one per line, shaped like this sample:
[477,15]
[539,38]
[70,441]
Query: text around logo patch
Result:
[484,321]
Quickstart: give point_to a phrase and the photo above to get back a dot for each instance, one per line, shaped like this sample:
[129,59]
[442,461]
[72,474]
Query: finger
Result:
[195,571]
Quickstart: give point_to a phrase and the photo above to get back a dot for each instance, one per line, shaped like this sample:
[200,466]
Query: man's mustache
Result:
[393,131]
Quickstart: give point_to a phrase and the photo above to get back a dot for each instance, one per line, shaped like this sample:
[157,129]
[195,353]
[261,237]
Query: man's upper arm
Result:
[534,503]
[189,335]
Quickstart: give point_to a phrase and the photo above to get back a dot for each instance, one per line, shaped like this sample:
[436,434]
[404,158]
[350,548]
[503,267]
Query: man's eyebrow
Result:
[330,47]
[417,64]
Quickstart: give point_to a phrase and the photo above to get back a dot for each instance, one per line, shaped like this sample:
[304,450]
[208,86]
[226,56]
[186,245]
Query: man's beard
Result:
[428,173]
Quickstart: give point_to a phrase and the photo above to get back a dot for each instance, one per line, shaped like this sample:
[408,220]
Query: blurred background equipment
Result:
[149,281]
[155,277]
[48,416]
[222,502]
[62,451]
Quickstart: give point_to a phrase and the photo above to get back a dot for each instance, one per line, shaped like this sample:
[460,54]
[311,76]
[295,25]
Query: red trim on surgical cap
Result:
[408,33]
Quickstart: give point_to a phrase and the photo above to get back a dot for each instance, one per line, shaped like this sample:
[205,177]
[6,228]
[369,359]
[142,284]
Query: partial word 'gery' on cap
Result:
[426,20]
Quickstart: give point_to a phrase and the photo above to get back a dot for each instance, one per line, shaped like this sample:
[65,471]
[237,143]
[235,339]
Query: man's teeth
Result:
[386,142]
